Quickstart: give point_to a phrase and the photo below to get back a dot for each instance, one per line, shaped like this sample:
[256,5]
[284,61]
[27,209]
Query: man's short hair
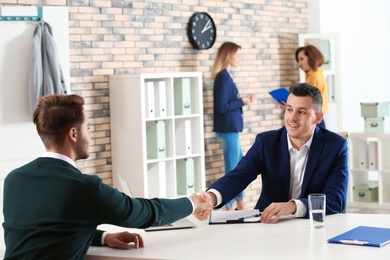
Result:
[55,114]
[304,90]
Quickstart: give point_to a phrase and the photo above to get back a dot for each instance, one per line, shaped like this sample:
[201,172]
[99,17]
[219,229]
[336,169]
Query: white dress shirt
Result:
[298,161]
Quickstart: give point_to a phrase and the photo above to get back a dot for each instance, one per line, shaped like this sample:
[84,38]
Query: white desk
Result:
[288,239]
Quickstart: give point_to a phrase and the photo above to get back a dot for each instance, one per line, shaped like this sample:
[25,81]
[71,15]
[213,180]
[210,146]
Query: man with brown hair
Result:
[51,210]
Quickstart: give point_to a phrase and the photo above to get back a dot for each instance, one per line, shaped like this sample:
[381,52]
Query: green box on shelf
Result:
[378,109]
[374,125]
[365,192]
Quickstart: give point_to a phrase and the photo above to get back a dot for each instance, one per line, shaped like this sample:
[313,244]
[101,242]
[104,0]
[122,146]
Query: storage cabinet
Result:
[369,165]
[157,133]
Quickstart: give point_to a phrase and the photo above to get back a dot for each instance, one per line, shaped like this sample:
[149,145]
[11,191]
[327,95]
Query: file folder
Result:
[150,109]
[185,176]
[155,138]
[158,181]
[161,103]
[364,236]
[184,137]
[182,95]
[362,154]
[372,155]
[187,137]
[235,216]
[280,94]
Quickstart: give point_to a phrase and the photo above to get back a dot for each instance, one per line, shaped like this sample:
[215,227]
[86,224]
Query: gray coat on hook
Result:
[45,72]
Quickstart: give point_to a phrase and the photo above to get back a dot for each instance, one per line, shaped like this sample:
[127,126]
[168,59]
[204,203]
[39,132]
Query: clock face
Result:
[201,31]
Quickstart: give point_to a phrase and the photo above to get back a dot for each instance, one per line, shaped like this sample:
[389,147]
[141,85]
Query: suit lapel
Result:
[314,155]
[285,161]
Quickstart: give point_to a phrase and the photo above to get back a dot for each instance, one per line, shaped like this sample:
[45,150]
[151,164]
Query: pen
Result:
[252,216]
[242,219]
[353,242]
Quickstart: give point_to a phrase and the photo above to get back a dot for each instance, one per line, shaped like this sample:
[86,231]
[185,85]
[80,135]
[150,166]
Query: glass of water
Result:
[317,207]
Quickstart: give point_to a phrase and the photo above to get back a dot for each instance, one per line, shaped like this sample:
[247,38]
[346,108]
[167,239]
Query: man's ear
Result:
[319,117]
[73,134]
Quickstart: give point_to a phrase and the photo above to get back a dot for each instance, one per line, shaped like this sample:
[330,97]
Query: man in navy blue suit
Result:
[294,161]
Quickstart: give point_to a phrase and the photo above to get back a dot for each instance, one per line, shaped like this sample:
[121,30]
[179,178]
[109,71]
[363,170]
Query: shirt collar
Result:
[59,156]
[307,144]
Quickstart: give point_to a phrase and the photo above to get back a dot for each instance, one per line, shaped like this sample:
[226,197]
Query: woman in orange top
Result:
[310,59]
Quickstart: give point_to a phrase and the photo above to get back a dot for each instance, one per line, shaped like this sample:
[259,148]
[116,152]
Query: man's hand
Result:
[273,212]
[122,240]
[203,205]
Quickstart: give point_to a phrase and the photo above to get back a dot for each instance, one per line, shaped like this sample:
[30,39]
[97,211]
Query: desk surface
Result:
[288,239]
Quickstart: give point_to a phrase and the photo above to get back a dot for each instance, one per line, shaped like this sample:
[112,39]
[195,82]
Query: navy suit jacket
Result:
[326,170]
[227,105]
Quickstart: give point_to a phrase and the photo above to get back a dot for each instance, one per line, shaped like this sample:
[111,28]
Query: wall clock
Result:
[202,31]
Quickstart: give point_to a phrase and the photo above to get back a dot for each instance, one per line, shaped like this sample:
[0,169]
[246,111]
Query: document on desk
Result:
[234,217]
[364,236]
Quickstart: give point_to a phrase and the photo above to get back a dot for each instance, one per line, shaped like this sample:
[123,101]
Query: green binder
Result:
[183,97]
[155,138]
[185,176]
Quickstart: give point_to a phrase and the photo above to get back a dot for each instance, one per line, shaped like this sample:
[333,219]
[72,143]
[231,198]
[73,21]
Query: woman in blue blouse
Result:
[228,118]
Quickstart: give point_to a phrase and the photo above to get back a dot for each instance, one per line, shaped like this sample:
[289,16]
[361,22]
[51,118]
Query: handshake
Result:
[203,204]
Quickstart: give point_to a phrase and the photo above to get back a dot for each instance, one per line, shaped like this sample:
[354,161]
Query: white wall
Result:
[18,138]
[364,32]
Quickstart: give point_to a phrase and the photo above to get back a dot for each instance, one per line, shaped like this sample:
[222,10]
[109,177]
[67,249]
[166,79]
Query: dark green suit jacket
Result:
[51,210]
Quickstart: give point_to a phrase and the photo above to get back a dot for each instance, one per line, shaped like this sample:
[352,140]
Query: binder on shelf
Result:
[185,176]
[187,137]
[183,97]
[158,181]
[362,154]
[372,155]
[150,106]
[155,138]
[184,137]
[161,103]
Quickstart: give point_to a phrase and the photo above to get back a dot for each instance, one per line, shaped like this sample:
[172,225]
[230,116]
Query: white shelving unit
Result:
[156,128]
[369,162]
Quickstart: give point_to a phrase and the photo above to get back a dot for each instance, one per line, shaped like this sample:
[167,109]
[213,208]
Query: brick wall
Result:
[127,36]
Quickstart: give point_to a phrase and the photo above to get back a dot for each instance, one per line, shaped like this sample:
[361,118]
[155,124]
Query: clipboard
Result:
[234,217]
[280,94]
[363,236]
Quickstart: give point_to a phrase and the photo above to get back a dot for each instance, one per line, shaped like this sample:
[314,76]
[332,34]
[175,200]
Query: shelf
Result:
[369,163]
[156,124]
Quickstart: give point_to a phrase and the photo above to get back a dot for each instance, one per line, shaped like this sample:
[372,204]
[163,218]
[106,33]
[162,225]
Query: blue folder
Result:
[364,236]
[280,94]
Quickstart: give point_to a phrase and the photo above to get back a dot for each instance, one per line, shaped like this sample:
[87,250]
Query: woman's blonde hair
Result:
[224,57]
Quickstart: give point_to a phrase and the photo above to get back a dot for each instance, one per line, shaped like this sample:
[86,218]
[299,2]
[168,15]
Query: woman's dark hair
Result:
[314,55]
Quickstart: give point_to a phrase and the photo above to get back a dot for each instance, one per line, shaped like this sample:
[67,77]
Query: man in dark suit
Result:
[294,161]
[51,210]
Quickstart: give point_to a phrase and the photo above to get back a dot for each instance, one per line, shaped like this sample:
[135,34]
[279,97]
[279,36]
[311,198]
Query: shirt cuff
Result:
[192,203]
[218,195]
[103,237]
[301,209]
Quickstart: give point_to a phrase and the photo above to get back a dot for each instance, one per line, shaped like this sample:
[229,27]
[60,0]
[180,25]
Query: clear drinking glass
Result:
[317,207]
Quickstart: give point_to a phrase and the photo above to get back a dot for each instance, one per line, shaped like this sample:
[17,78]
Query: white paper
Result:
[224,216]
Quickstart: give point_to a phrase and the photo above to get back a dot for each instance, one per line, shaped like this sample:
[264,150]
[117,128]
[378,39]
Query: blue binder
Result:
[364,236]
[280,94]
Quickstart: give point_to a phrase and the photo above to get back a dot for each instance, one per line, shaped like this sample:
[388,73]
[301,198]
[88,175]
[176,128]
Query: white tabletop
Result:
[287,239]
